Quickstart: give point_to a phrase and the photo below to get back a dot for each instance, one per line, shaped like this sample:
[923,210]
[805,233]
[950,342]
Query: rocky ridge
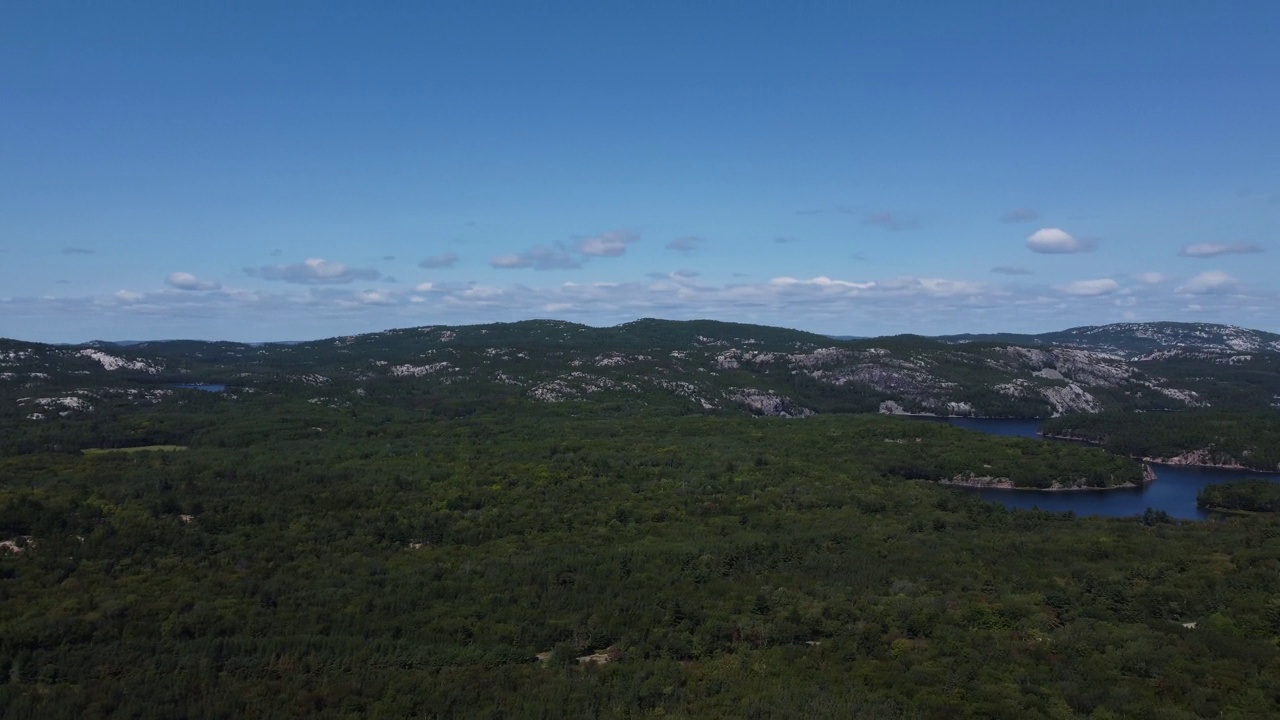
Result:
[703,366]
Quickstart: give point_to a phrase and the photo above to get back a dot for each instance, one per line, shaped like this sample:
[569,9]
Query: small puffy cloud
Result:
[940,286]
[1204,250]
[1211,282]
[1020,215]
[544,258]
[565,256]
[1150,278]
[128,296]
[77,251]
[510,261]
[610,244]
[1010,270]
[439,261]
[1091,288]
[538,258]
[187,281]
[374,297]
[889,221]
[314,271]
[686,244]
[424,287]
[1053,241]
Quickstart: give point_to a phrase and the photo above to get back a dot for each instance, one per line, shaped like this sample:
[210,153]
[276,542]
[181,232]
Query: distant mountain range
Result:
[667,366]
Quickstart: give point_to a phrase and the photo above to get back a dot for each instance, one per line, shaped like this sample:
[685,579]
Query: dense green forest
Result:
[1248,439]
[456,557]
[1255,495]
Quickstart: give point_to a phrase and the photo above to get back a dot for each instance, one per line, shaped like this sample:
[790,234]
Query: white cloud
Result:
[859,305]
[1052,241]
[900,286]
[374,297]
[439,261]
[1203,250]
[1210,282]
[314,271]
[822,282]
[187,281]
[1150,278]
[942,286]
[1090,288]
[510,261]
[539,257]
[610,244]
[565,256]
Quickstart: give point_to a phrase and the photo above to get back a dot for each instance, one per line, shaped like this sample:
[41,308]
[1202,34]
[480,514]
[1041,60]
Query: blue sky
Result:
[260,171]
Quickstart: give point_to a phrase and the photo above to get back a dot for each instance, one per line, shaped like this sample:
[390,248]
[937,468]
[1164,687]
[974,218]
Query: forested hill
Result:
[543,519]
[1137,341]
[694,366]
[1200,437]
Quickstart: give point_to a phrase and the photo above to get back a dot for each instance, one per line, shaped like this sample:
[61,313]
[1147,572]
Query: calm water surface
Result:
[1174,490]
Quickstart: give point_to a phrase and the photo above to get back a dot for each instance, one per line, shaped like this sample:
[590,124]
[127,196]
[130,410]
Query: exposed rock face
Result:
[111,362]
[573,386]
[1203,458]
[763,403]
[889,407]
[418,370]
[1071,399]
[1082,366]
[688,390]
[979,481]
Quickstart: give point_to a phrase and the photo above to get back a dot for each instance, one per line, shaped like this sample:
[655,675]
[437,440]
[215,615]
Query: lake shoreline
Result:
[998,483]
[1189,459]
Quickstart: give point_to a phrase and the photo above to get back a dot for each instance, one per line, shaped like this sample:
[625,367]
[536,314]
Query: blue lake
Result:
[1173,491]
[206,387]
